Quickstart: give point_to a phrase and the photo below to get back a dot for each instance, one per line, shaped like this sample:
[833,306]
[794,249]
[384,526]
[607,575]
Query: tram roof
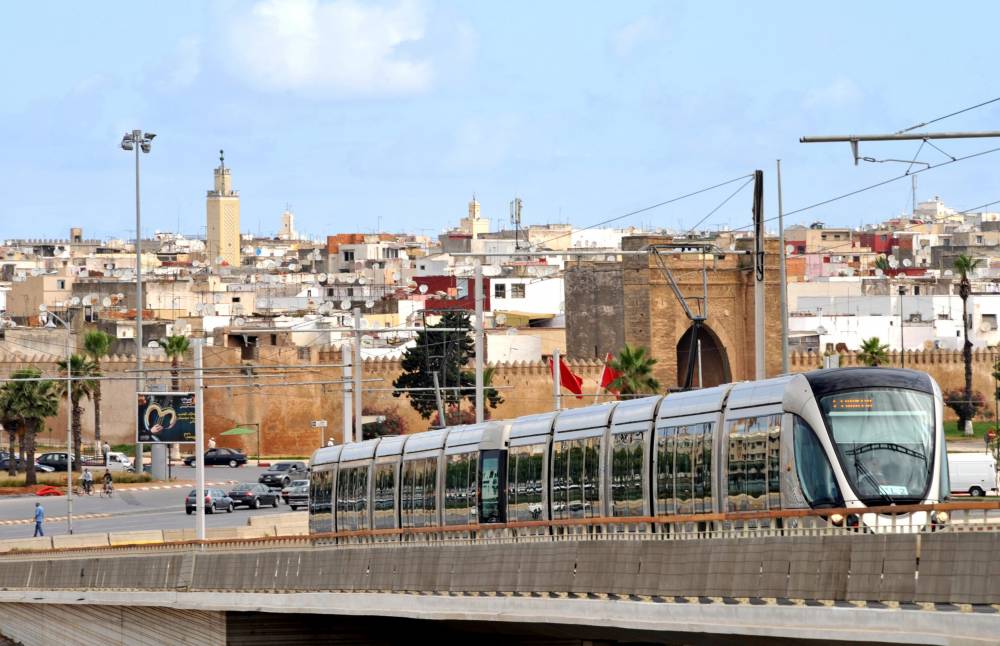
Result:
[326,455]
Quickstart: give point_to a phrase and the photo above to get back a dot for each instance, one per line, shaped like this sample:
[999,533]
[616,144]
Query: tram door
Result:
[492,486]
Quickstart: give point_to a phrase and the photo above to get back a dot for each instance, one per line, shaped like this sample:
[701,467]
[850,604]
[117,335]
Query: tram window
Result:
[774,462]
[352,499]
[816,477]
[665,471]
[626,474]
[460,492]
[591,471]
[755,454]
[320,494]
[702,466]
[384,511]
[418,492]
[737,465]
[560,480]
[683,460]
[575,479]
[754,457]
[524,482]
[578,464]
[490,487]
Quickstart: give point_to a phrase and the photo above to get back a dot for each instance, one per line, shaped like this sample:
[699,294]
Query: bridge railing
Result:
[951,517]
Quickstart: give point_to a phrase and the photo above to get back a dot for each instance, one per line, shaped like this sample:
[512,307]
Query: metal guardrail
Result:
[962,517]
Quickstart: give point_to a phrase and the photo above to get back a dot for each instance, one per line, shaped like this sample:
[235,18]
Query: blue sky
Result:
[355,113]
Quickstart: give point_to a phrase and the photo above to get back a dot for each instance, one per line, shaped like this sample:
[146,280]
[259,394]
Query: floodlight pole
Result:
[480,407]
[199,443]
[356,373]
[783,278]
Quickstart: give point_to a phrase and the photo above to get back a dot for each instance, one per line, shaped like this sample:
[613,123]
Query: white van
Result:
[119,462]
[972,473]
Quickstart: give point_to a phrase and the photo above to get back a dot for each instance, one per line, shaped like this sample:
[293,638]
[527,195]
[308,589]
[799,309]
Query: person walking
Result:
[39,519]
[211,442]
[88,482]
[106,449]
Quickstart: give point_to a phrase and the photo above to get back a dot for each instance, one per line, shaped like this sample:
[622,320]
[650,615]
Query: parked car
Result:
[281,474]
[220,457]
[972,473]
[253,495]
[215,500]
[20,465]
[287,488]
[298,496]
[57,461]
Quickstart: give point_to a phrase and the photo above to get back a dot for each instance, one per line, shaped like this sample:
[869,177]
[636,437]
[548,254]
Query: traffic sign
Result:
[318,423]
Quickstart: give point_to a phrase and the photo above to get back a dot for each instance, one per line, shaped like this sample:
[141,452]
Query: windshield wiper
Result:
[863,470]
[899,448]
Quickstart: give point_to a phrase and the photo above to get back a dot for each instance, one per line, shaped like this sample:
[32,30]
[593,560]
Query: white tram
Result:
[850,437]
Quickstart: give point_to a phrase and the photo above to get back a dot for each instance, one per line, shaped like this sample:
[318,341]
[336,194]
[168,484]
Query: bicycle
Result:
[108,490]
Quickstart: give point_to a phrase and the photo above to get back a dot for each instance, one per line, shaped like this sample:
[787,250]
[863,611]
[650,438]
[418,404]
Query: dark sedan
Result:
[298,497]
[55,460]
[215,500]
[220,457]
[21,466]
[288,488]
[253,495]
[281,474]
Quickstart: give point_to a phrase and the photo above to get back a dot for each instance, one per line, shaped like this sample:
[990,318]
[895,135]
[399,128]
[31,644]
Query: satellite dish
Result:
[322,278]
[848,272]
[878,272]
[362,281]
[240,321]
[270,264]
[153,344]
[345,304]
[325,307]
[376,266]
[42,307]
[500,319]
[369,304]
[36,272]
[423,288]
[789,249]
[293,267]
[948,272]
[893,262]
[106,302]
[907,262]
[74,301]
[820,330]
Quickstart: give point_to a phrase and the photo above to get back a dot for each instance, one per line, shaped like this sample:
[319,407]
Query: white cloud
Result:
[840,93]
[626,39]
[340,48]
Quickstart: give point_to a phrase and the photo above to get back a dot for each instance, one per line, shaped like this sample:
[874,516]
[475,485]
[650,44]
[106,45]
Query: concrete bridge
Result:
[764,585]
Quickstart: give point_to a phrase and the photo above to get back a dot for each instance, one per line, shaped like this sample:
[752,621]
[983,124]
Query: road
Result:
[129,510]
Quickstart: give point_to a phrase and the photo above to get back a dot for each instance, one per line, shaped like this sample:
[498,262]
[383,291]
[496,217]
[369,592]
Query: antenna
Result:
[515,219]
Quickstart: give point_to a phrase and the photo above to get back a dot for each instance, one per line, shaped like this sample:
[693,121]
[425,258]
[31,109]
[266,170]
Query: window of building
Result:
[989,322]
[517,290]
[329,291]
[499,290]
[979,239]
[236,299]
[60,284]
[348,256]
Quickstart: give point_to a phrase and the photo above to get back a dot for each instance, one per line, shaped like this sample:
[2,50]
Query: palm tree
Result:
[29,402]
[82,375]
[97,344]
[635,372]
[9,424]
[882,263]
[176,347]
[873,352]
[964,265]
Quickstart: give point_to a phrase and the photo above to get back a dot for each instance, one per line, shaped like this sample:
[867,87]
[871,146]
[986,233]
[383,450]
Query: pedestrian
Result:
[329,442]
[106,449]
[211,442]
[88,482]
[39,519]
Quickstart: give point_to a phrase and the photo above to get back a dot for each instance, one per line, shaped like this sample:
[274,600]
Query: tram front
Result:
[883,436]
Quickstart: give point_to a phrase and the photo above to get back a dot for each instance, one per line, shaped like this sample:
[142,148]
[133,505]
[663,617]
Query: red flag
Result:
[608,375]
[567,379]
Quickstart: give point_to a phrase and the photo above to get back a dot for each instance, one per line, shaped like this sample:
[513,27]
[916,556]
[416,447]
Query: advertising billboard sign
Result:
[165,417]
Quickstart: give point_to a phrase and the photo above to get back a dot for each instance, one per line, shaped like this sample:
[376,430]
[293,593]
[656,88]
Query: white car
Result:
[972,473]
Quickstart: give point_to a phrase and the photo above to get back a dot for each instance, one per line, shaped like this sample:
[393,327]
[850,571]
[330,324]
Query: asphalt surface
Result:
[129,509]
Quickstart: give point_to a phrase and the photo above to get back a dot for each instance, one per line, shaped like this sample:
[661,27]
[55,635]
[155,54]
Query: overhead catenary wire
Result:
[950,114]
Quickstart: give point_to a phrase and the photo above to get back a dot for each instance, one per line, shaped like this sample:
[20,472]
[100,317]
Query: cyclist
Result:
[108,486]
[88,482]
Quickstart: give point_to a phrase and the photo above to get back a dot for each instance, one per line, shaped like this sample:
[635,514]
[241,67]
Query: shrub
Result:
[955,400]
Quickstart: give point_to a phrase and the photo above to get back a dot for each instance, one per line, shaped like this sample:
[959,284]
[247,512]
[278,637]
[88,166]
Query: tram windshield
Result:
[885,441]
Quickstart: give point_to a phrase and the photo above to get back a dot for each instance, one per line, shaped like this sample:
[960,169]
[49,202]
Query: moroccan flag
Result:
[609,374]
[567,379]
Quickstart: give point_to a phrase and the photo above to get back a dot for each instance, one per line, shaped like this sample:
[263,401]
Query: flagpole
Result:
[556,369]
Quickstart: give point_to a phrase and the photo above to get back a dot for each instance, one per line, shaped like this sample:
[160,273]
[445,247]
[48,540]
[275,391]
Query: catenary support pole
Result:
[556,378]
[356,370]
[701,384]
[140,384]
[782,277]
[199,442]
[758,257]
[70,454]
[345,354]
[480,406]
[442,419]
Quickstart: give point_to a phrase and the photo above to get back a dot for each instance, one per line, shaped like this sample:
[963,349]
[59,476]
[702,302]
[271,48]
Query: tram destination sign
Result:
[165,417]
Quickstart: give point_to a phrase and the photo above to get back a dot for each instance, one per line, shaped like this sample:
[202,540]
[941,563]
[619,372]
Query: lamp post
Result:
[69,414]
[902,346]
[138,140]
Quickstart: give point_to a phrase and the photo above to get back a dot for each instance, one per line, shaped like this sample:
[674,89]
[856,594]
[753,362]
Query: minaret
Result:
[222,210]
[474,224]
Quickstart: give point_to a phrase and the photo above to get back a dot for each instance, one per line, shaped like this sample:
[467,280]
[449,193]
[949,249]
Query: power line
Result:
[952,114]
[721,204]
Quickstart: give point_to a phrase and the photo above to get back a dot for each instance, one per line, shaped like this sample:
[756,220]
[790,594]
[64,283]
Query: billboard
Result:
[165,417]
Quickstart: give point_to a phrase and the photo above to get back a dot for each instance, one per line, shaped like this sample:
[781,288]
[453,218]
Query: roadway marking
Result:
[53,519]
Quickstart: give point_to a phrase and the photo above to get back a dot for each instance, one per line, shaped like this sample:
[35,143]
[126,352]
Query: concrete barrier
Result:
[136,538]
[26,544]
[178,535]
[292,518]
[80,540]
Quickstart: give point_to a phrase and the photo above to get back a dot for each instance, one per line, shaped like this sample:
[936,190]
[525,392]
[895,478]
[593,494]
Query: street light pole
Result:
[902,344]
[138,140]
[69,419]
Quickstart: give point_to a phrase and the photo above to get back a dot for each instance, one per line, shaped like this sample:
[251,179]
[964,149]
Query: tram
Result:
[838,438]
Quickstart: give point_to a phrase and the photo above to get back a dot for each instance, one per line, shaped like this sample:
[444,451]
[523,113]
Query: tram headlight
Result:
[837,519]
[939,517]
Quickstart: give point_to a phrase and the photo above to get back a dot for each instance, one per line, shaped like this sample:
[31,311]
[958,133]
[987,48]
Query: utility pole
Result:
[199,441]
[440,403]
[480,405]
[783,278]
[345,357]
[758,261]
[356,373]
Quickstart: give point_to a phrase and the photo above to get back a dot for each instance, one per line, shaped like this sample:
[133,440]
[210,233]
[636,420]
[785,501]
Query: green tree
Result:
[97,345]
[176,347]
[29,402]
[635,370]
[964,265]
[446,353]
[882,263]
[82,373]
[873,352]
